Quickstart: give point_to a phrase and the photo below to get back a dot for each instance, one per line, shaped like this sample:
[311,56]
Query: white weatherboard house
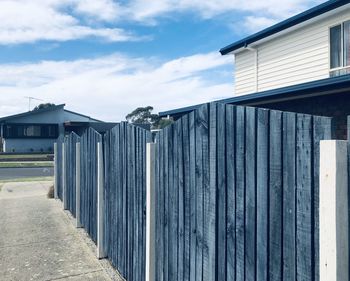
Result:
[299,65]
[311,46]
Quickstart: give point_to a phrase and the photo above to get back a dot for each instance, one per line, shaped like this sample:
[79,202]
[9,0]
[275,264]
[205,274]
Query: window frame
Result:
[342,60]
[20,131]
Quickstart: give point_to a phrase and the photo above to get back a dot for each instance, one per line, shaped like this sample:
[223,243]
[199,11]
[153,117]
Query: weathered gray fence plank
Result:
[289,204]
[187,196]
[240,198]
[193,189]
[231,192]
[275,197]
[304,236]
[262,195]
[250,208]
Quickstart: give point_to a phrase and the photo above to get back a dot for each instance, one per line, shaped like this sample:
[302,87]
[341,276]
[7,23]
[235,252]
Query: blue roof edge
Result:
[46,109]
[295,90]
[297,19]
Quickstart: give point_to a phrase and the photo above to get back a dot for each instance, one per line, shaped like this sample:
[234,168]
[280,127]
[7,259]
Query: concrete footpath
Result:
[38,240]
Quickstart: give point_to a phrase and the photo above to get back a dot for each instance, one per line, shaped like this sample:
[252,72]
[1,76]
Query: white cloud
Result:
[29,21]
[110,87]
[61,20]
[144,10]
[254,24]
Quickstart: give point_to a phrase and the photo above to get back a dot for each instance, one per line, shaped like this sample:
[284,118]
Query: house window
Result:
[46,131]
[340,49]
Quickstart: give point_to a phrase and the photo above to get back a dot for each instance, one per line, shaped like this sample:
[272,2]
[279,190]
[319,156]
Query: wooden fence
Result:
[237,195]
[70,171]
[88,181]
[125,198]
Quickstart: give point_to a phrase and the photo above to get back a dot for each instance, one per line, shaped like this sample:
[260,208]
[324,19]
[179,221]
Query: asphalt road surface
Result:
[17,173]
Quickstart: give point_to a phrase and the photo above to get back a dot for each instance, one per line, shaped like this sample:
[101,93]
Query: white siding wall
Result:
[245,73]
[294,58]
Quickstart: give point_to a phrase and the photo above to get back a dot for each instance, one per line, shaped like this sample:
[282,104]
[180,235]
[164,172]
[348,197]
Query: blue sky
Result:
[106,57]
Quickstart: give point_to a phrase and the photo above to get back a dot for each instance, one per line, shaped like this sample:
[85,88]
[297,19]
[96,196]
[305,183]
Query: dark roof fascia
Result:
[82,115]
[295,20]
[295,91]
[51,108]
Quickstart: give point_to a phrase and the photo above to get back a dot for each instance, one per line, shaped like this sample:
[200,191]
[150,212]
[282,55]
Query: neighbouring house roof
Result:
[43,110]
[32,112]
[279,27]
[314,88]
[82,115]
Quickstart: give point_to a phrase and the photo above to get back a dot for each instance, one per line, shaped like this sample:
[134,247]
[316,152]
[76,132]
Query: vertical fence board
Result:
[218,179]
[210,189]
[262,194]
[304,198]
[275,196]
[173,192]
[289,204]
[181,204]
[200,135]
[167,139]
[187,196]
[240,195]
[193,196]
[231,193]
[250,219]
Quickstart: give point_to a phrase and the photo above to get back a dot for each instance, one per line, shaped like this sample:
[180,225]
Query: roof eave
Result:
[286,24]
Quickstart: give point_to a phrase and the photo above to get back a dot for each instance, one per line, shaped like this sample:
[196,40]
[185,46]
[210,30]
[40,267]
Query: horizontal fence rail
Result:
[237,195]
[125,199]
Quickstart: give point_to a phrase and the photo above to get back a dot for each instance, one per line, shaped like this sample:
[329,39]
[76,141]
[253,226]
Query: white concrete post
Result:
[101,253]
[55,151]
[150,212]
[64,185]
[77,184]
[334,240]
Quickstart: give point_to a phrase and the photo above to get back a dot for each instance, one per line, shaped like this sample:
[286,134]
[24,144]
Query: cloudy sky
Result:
[104,58]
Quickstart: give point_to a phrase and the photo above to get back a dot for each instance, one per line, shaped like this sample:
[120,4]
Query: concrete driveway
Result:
[38,240]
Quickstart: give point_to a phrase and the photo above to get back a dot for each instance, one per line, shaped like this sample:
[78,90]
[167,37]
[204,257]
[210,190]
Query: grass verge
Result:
[24,156]
[26,180]
[26,164]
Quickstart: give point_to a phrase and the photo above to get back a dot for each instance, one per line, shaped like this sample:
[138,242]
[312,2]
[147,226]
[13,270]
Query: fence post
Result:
[101,253]
[55,169]
[150,212]
[64,183]
[334,257]
[77,184]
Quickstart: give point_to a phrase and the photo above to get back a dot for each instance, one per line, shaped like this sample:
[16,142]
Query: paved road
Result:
[15,173]
[38,241]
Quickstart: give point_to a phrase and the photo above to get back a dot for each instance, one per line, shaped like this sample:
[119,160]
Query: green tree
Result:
[43,105]
[144,115]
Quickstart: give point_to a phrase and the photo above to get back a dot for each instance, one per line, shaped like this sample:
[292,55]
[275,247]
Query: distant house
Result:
[36,131]
[299,65]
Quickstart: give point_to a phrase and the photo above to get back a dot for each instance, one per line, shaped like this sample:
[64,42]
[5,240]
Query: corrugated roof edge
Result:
[295,90]
[51,108]
[297,19]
